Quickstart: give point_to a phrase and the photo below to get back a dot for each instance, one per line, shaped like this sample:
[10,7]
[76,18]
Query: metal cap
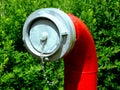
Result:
[49,33]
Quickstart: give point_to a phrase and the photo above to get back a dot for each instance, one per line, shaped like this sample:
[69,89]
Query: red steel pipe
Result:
[81,63]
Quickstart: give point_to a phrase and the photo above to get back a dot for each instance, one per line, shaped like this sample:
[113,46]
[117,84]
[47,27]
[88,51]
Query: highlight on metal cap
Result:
[49,33]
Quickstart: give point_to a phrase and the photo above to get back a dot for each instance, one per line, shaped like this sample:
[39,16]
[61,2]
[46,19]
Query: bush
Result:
[19,70]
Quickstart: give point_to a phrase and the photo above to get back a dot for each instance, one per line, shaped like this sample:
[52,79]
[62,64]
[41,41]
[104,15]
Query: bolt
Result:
[43,39]
[46,58]
[44,36]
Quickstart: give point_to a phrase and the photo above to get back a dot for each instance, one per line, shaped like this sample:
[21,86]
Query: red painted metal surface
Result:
[81,63]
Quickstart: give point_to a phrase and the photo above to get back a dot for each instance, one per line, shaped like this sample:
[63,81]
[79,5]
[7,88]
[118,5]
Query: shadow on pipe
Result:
[81,63]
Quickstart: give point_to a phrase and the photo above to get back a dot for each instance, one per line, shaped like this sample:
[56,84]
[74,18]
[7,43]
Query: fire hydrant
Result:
[52,34]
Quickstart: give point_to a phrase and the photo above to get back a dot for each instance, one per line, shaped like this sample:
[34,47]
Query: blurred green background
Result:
[20,71]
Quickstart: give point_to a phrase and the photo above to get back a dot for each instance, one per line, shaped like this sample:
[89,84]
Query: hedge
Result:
[21,71]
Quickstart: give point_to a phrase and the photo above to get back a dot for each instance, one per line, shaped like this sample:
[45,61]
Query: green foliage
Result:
[19,70]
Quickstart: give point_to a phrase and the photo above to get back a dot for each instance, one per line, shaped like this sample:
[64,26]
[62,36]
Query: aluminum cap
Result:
[49,33]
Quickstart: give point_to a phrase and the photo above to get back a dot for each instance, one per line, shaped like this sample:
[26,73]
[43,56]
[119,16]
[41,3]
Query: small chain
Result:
[43,65]
[44,72]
